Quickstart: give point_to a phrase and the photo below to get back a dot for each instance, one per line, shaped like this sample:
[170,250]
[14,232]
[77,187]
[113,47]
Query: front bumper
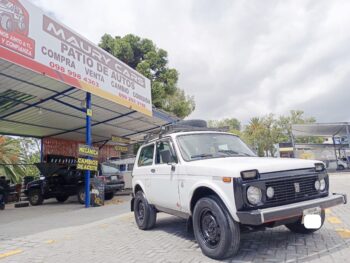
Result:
[273,214]
[114,187]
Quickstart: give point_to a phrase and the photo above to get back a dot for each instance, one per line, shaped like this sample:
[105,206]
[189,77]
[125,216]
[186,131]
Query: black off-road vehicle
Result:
[60,179]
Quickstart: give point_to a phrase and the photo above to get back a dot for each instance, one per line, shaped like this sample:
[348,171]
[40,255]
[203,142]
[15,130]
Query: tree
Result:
[296,117]
[30,148]
[10,155]
[231,123]
[144,56]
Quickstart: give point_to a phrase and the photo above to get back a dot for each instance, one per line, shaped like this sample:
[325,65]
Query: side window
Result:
[165,153]
[146,156]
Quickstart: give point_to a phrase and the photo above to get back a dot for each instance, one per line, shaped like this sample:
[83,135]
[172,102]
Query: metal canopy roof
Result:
[321,129]
[38,106]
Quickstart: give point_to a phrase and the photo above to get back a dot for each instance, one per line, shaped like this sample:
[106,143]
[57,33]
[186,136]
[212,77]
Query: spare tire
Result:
[193,123]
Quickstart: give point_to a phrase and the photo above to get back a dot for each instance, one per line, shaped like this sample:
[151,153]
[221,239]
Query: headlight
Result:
[252,174]
[319,167]
[270,192]
[317,185]
[254,195]
[322,184]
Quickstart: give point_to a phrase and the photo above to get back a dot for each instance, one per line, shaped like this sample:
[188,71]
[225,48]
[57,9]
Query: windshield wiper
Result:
[202,155]
[233,153]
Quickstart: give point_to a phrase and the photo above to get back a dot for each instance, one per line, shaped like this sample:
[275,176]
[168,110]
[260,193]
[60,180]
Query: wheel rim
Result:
[140,212]
[209,228]
[82,195]
[35,198]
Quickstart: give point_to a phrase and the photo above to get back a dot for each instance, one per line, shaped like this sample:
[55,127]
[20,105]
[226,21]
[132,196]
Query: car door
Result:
[164,179]
[144,166]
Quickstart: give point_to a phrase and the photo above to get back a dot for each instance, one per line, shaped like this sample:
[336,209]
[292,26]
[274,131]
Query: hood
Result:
[231,166]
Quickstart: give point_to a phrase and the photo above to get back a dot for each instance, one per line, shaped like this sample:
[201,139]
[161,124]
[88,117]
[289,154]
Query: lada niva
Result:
[215,180]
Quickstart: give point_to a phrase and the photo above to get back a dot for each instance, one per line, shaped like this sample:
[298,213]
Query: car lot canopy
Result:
[321,129]
[34,105]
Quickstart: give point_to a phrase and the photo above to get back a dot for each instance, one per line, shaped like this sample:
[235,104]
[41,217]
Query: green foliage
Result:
[144,56]
[262,133]
[30,149]
[233,124]
[10,154]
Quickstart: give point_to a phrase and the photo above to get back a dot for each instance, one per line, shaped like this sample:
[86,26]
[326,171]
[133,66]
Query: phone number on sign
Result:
[73,74]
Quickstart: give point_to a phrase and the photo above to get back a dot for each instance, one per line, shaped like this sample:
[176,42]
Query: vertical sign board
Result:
[85,162]
[33,40]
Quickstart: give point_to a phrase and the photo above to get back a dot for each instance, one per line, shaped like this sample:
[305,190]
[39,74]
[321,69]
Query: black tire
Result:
[217,234]
[35,197]
[2,206]
[21,204]
[109,196]
[299,228]
[62,198]
[145,214]
[81,194]
[6,23]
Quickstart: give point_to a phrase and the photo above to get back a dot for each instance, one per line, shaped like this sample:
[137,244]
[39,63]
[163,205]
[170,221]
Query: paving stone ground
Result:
[118,239]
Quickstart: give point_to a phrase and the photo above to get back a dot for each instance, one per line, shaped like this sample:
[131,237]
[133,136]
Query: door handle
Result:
[153,170]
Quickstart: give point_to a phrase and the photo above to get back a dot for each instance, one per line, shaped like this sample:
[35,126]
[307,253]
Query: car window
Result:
[164,153]
[146,156]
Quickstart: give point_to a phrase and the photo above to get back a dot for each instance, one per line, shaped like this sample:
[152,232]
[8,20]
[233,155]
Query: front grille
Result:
[292,190]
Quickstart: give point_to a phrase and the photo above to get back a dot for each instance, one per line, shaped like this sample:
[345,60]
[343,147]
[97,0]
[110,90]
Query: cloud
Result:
[238,58]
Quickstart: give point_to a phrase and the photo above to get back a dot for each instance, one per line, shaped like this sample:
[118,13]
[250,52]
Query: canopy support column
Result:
[88,142]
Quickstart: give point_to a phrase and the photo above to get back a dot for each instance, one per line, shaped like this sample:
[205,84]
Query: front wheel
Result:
[35,197]
[145,214]
[299,228]
[109,196]
[217,234]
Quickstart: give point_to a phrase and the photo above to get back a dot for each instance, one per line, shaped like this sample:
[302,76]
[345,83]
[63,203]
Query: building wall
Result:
[70,148]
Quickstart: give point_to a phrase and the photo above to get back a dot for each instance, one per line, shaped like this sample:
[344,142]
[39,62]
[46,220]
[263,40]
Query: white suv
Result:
[216,182]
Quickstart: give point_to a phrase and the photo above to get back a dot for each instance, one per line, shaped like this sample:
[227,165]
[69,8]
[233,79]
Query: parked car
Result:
[125,166]
[113,178]
[62,180]
[221,187]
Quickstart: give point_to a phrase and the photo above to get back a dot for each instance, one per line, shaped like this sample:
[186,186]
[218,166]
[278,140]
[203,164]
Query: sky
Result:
[238,58]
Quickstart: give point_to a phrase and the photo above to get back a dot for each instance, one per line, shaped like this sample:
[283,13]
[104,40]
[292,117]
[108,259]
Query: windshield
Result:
[211,145]
[108,169]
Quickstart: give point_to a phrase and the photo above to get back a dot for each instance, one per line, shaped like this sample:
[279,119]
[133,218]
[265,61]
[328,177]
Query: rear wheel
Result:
[217,234]
[109,196]
[299,228]
[62,198]
[145,214]
[35,197]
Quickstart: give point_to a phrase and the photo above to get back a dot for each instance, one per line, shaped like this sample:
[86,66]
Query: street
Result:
[69,233]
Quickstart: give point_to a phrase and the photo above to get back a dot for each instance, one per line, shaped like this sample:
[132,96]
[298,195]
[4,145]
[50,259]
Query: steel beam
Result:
[37,103]
[88,142]
[94,124]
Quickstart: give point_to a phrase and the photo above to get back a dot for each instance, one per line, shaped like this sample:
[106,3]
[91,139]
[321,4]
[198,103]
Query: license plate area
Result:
[312,211]
[114,178]
[312,218]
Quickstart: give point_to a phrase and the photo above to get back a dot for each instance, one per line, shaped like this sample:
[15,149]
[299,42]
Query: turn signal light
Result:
[226,179]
